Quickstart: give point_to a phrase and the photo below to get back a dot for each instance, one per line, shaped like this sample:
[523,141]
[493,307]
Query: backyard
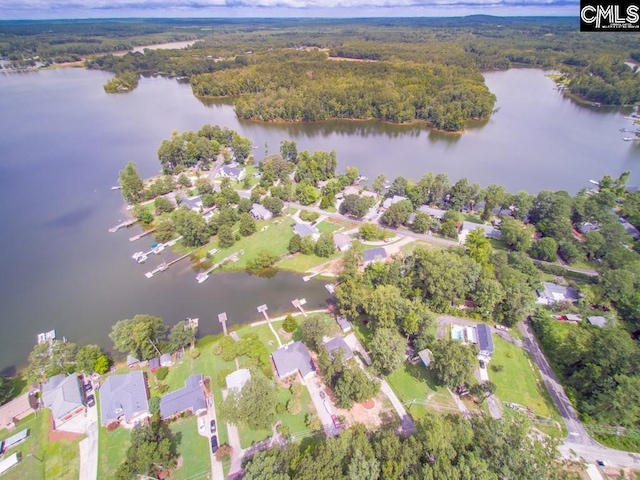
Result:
[193,449]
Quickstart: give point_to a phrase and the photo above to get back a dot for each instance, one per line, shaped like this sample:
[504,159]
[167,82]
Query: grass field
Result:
[42,459]
[112,450]
[519,381]
[414,382]
[192,447]
[327,226]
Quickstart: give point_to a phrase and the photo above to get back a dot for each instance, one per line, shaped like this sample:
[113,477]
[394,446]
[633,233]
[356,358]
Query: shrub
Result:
[497,368]
[294,406]
[283,430]
[162,373]
[224,453]
[154,405]
[307,216]
[279,408]
[162,387]
[221,378]
[296,389]
[194,353]
[217,349]
[312,421]
[289,325]
[229,350]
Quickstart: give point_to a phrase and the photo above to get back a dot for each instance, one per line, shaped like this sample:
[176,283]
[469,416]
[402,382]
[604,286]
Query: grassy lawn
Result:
[302,263]
[112,450]
[295,423]
[327,226]
[411,382]
[42,459]
[192,447]
[518,382]
[363,332]
[265,334]
[410,247]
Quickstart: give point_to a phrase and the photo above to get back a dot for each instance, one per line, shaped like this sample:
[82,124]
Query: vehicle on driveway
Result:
[322,395]
[336,421]
[212,425]
[88,387]
[91,401]
[214,443]
[601,463]
[482,364]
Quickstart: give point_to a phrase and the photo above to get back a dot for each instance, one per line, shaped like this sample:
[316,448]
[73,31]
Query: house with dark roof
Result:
[154,364]
[393,200]
[190,398]
[124,398]
[338,343]
[488,230]
[342,241]
[378,254]
[306,230]
[259,212]
[194,203]
[64,396]
[436,213]
[132,361]
[552,293]
[293,358]
[630,229]
[485,342]
[232,172]
[344,323]
[166,360]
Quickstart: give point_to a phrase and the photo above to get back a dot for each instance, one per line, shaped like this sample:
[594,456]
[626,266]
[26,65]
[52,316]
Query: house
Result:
[17,409]
[489,230]
[351,190]
[338,343]
[367,193]
[572,317]
[238,379]
[586,227]
[597,321]
[259,212]
[425,356]
[10,462]
[342,241]
[393,200]
[433,212]
[124,398]
[374,255]
[552,293]
[64,396]
[194,203]
[132,361]
[190,398]
[154,364]
[293,358]
[344,323]
[166,360]
[305,230]
[233,172]
[485,342]
[630,229]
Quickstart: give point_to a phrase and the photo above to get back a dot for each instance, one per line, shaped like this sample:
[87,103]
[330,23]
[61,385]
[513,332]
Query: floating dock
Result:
[143,234]
[45,337]
[125,224]
[204,276]
[160,268]
[330,288]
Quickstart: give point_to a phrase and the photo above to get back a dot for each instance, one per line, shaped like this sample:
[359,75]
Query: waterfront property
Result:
[344,323]
[64,396]
[372,255]
[342,241]
[124,398]
[488,230]
[190,398]
[293,358]
[259,212]
[392,200]
[552,293]
[338,343]
[233,172]
[436,213]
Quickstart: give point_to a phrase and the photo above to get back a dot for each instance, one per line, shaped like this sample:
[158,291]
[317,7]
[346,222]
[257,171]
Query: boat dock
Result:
[204,276]
[160,268]
[124,224]
[631,139]
[46,337]
[330,288]
[298,303]
[143,234]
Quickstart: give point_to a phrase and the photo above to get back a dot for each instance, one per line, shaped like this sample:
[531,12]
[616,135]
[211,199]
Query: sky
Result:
[45,9]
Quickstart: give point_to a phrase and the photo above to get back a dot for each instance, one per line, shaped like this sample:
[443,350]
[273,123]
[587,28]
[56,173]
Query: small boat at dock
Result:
[202,277]
[116,187]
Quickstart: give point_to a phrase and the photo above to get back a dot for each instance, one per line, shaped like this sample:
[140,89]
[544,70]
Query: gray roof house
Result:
[392,200]
[552,293]
[338,343]
[293,357]
[166,360]
[259,212]
[194,203]
[630,229]
[305,230]
[489,230]
[344,323]
[342,241]
[232,172]
[132,361]
[586,227]
[190,398]
[433,212]
[374,255]
[64,396]
[485,342]
[124,397]
[425,356]
[597,321]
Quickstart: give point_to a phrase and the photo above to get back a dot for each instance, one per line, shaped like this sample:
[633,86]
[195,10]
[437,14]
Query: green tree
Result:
[494,196]
[164,229]
[191,226]
[262,261]
[204,186]
[131,183]
[274,205]
[386,305]
[370,231]
[143,214]
[87,357]
[452,363]
[350,296]
[379,183]
[139,336]
[184,181]
[353,385]
[516,234]
[387,349]
[289,324]
[163,205]
[307,245]
[49,359]
[247,225]
[102,365]
[182,335]
[483,390]
[312,330]
[226,238]
[254,405]
[325,246]
[479,248]
[545,249]
[421,223]
[289,151]
[396,214]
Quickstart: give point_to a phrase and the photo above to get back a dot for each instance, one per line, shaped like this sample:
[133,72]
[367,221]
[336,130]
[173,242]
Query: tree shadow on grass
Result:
[420,373]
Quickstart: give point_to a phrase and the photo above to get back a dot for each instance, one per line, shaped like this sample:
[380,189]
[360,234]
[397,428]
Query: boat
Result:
[117,187]
[137,255]
[142,258]
[202,277]
[157,249]
[627,139]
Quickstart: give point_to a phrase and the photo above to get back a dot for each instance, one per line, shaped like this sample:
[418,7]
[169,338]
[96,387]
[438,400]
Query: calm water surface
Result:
[64,140]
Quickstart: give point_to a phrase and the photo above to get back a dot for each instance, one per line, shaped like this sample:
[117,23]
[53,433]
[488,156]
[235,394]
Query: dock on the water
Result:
[222,318]
[160,268]
[298,303]
[124,224]
[45,337]
[143,234]
[331,288]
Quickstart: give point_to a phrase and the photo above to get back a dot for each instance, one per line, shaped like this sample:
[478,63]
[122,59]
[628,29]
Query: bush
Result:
[279,408]
[217,349]
[289,325]
[194,353]
[294,406]
[221,378]
[162,373]
[497,368]
[307,216]
[229,349]
[312,421]
[224,453]
[283,430]
[296,389]
[162,387]
[154,405]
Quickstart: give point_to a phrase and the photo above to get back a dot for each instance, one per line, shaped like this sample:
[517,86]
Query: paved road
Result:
[89,447]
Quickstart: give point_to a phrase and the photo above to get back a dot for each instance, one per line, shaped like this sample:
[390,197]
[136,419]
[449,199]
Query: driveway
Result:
[356,346]
[315,386]
[89,446]
[408,427]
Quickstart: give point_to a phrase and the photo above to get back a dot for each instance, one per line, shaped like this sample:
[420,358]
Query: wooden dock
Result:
[298,303]
[143,234]
[222,318]
[124,224]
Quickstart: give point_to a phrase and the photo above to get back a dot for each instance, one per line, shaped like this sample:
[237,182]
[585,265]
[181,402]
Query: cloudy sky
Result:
[24,9]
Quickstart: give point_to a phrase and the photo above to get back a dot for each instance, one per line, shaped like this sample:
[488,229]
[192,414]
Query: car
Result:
[88,387]
[336,421]
[214,443]
[601,463]
[322,395]
[91,401]
[212,426]
[482,364]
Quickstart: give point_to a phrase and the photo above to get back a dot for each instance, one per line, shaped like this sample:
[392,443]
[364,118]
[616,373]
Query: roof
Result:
[572,317]
[154,363]
[194,202]
[489,230]
[631,230]
[123,395]
[367,193]
[373,254]
[557,293]
[259,211]
[305,230]
[230,171]
[338,343]
[425,356]
[434,212]
[165,360]
[341,240]
[391,200]
[586,227]
[238,378]
[131,360]
[351,190]
[344,323]
[16,408]
[485,342]
[597,321]
[16,438]
[292,357]
[9,462]
[62,394]
[190,397]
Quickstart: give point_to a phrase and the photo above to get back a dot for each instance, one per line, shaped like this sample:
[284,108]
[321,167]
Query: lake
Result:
[64,140]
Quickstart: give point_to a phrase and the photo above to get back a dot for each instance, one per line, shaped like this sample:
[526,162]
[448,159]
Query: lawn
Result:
[518,381]
[265,334]
[295,423]
[112,450]
[410,247]
[327,226]
[192,447]
[40,458]
[414,382]
[363,332]
[303,263]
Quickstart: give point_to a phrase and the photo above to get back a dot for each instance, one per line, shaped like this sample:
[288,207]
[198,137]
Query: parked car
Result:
[322,394]
[336,421]
[88,387]
[214,443]
[213,426]
[482,364]
[91,401]
[601,463]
